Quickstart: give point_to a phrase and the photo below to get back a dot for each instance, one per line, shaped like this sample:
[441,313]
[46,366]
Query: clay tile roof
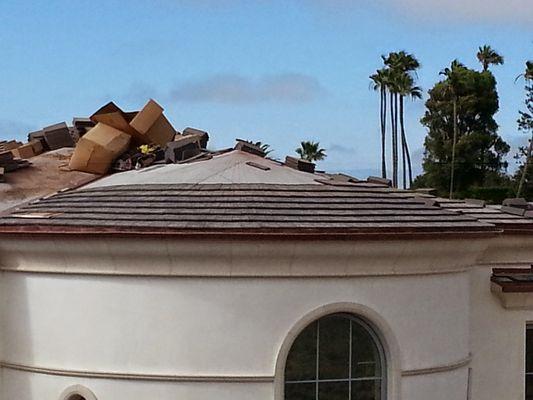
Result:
[246,208]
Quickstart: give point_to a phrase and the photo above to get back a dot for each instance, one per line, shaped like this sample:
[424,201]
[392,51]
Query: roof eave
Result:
[246,234]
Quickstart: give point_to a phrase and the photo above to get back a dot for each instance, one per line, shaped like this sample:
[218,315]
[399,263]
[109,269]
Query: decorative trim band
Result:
[138,376]
[439,368]
[199,378]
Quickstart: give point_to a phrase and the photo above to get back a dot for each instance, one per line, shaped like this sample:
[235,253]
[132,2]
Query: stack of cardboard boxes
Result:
[116,131]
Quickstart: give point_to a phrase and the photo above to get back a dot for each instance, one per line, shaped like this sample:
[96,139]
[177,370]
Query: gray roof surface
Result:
[351,207]
[230,167]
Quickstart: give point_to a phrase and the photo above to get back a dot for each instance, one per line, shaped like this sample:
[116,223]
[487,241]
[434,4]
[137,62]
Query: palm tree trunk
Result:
[394,144]
[453,145]
[405,148]
[394,132]
[526,165]
[383,116]
[402,137]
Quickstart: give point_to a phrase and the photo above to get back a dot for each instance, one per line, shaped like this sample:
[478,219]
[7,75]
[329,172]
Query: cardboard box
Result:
[113,116]
[151,126]
[148,126]
[98,148]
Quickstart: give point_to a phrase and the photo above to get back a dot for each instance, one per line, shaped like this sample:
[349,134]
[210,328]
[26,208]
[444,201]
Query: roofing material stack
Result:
[202,135]
[9,163]
[82,126]
[9,145]
[299,164]
[182,148]
[57,136]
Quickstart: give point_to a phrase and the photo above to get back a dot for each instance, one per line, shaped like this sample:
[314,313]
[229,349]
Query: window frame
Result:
[377,341]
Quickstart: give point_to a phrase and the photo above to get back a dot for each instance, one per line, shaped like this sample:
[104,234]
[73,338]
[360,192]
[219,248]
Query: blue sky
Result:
[275,71]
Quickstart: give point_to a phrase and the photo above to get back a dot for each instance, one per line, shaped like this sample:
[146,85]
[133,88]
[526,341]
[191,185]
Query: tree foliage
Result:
[487,56]
[480,151]
[397,80]
[525,124]
[311,151]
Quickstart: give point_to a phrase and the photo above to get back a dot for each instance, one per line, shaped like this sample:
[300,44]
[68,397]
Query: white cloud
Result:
[469,10]
[236,89]
[491,11]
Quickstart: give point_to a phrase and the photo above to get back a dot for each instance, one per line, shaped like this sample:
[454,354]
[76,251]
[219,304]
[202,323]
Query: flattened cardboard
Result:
[98,148]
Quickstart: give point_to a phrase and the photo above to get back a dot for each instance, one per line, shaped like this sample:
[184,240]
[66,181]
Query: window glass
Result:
[335,358]
[301,362]
[334,345]
[529,363]
[365,353]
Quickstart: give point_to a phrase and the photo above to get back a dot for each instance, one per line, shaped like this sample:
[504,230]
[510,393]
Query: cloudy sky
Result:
[275,71]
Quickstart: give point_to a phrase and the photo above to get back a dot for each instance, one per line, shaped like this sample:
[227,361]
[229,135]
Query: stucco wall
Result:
[497,342]
[216,327]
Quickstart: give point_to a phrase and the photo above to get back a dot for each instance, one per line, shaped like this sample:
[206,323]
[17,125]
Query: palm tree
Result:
[380,81]
[488,56]
[311,151]
[452,75]
[406,88]
[402,65]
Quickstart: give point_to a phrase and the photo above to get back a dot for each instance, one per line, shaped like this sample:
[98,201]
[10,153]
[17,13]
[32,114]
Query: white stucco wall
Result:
[216,326]
[497,342]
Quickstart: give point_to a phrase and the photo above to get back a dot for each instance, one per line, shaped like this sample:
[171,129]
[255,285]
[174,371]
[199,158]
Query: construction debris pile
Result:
[15,155]
[110,140]
[122,141]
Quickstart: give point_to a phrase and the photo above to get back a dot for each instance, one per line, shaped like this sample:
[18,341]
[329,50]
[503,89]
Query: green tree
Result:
[525,124]
[487,56]
[462,139]
[311,151]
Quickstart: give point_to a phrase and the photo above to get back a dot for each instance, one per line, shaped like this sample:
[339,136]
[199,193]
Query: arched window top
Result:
[77,392]
[337,357]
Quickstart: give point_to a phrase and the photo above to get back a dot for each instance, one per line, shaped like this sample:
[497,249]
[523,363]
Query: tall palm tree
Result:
[380,81]
[311,151]
[487,56]
[406,88]
[528,76]
[452,75]
[402,65]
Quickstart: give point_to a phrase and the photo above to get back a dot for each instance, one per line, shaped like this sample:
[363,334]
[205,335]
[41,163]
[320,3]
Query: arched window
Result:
[338,357]
[77,392]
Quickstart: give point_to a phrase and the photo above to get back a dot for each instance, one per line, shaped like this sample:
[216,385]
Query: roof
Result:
[509,219]
[244,208]
[235,192]
[513,280]
[45,175]
[229,167]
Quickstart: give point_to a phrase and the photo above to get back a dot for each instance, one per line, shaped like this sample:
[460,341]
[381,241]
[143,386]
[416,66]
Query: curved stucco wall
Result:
[215,327]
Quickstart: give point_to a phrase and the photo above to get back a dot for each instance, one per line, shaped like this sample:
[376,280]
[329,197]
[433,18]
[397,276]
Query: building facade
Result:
[239,291]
